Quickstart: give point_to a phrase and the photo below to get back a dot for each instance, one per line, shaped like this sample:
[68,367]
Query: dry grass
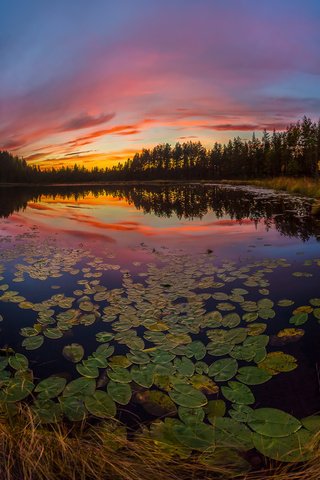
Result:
[302,186]
[29,451]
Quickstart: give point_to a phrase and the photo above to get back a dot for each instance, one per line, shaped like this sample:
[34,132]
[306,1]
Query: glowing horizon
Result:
[94,83]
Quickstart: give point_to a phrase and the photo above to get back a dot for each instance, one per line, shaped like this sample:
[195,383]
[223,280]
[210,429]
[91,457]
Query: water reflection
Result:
[289,215]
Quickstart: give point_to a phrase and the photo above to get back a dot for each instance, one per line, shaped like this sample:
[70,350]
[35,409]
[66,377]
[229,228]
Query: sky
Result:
[93,82]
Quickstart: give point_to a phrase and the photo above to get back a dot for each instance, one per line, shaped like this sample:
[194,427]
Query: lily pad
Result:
[32,343]
[100,404]
[50,387]
[238,393]
[224,369]
[73,352]
[119,392]
[187,396]
[272,422]
[290,448]
[252,375]
[156,403]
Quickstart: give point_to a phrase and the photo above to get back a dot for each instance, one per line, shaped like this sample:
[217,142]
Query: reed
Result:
[31,451]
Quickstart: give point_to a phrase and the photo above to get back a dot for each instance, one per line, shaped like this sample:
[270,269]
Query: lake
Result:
[173,300]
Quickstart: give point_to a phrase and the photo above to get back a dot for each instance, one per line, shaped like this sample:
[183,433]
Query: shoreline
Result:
[298,186]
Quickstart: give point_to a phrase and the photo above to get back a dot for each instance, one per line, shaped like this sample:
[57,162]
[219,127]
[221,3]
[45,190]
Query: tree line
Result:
[293,152]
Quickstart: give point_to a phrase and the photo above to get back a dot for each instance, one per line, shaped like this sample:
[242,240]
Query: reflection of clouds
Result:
[39,206]
[87,236]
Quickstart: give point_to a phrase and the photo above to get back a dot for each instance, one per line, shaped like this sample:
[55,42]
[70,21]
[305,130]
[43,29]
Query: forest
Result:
[294,152]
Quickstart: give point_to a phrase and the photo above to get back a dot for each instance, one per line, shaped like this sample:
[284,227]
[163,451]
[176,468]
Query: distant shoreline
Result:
[305,186]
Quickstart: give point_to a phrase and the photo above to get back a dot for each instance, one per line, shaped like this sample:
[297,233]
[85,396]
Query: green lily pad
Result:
[299,318]
[143,375]
[100,404]
[231,320]
[272,422]
[16,389]
[32,343]
[224,369]
[290,448]
[252,375]
[312,423]
[80,387]
[87,370]
[73,352]
[47,411]
[119,392]
[73,407]
[191,415]
[104,337]
[231,433]
[238,393]
[18,362]
[187,396]
[197,436]
[184,366]
[50,387]
[196,349]
[241,413]
[215,408]
[119,375]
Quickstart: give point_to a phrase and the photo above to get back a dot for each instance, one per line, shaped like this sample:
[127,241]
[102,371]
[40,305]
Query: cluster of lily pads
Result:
[178,339]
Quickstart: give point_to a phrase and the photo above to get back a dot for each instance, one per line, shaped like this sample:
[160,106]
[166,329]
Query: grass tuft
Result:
[31,451]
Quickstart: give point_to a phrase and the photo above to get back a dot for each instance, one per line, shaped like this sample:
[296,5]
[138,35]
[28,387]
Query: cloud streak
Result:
[153,73]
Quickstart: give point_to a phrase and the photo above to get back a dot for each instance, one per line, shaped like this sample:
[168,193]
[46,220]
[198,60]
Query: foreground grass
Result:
[303,186]
[30,451]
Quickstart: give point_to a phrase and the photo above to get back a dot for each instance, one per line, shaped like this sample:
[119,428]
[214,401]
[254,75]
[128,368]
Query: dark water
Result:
[59,236]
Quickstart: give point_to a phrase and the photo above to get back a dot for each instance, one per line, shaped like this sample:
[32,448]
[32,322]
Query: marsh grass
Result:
[302,186]
[31,451]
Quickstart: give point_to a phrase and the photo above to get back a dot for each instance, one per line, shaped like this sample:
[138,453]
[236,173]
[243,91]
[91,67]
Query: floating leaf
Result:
[204,384]
[104,337]
[87,370]
[238,393]
[223,370]
[73,352]
[100,404]
[290,448]
[73,407]
[197,436]
[272,422]
[191,415]
[187,396]
[241,413]
[16,389]
[50,387]
[119,392]
[156,403]
[252,375]
[184,366]
[276,362]
[215,408]
[231,433]
[32,343]
[18,362]
[80,387]
[312,423]
[143,375]
[47,411]
[299,318]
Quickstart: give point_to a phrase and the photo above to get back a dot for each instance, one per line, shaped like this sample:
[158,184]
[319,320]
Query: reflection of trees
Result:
[290,216]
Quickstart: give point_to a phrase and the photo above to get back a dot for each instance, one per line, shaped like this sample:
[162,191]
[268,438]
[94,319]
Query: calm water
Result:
[159,255]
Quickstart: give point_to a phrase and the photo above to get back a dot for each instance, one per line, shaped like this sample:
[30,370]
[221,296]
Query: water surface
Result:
[151,262]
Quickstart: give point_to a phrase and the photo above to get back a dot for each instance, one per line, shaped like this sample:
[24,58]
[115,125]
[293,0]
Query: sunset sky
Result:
[95,81]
